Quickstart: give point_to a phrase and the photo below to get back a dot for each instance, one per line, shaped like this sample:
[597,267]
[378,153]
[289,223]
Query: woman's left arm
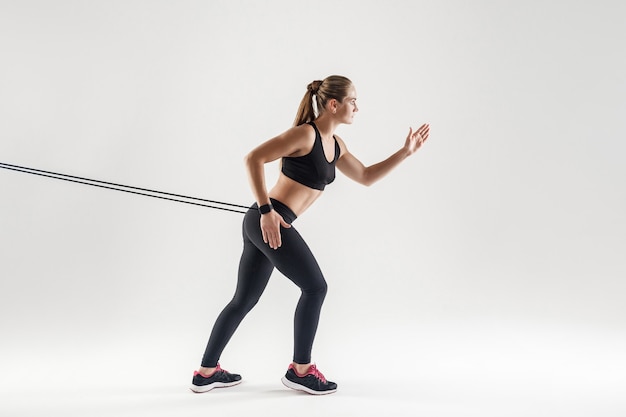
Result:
[355,170]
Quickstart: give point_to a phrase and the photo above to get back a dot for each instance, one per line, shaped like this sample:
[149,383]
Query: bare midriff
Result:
[294,195]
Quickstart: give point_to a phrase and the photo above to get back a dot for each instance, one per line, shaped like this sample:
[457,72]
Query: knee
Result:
[323,288]
[318,291]
[243,306]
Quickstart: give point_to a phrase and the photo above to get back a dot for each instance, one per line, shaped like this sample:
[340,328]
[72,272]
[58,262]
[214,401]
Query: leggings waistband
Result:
[288,215]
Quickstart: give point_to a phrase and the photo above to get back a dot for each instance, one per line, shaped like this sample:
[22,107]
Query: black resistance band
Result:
[127,188]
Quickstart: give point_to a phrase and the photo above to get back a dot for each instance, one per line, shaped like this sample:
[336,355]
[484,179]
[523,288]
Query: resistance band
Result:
[127,188]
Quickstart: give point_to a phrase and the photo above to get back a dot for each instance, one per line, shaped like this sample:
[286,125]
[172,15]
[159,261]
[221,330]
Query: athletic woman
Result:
[309,153]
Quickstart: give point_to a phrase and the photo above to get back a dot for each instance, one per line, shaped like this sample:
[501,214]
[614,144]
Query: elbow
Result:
[367,179]
[250,159]
[246,159]
[253,163]
[249,162]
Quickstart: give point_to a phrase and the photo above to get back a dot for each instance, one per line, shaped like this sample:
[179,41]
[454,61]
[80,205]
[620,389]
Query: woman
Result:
[309,151]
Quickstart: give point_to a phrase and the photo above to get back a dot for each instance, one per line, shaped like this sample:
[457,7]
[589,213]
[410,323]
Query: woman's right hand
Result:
[270,227]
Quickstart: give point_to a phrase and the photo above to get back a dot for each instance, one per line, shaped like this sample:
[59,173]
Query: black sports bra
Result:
[312,169]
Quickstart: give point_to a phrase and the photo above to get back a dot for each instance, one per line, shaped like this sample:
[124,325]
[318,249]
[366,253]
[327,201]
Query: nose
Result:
[356,108]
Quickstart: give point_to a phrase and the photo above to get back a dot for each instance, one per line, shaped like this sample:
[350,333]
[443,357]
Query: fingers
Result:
[284,224]
[270,229]
[423,131]
[274,240]
[421,134]
[415,139]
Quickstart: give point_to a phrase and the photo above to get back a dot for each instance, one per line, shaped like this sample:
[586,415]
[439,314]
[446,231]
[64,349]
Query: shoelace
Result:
[218,368]
[316,373]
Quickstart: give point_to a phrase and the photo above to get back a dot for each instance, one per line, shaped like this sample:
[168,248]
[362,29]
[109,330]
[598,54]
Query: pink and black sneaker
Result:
[313,382]
[218,379]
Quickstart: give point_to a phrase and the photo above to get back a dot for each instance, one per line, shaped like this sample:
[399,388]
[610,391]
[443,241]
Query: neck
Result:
[326,124]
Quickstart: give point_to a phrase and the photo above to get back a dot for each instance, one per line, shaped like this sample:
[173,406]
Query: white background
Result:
[485,276]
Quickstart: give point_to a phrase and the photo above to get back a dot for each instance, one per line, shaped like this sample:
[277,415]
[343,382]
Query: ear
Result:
[333,105]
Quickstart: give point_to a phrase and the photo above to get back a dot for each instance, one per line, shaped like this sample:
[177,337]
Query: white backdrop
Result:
[497,250]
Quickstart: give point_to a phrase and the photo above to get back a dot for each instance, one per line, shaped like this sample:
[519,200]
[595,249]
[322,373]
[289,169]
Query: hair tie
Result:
[314,86]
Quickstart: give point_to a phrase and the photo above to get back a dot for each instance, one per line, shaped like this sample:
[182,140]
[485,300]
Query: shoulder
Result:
[295,141]
[300,138]
[303,131]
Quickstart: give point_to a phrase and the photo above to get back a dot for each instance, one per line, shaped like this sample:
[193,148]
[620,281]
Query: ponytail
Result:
[306,111]
[334,86]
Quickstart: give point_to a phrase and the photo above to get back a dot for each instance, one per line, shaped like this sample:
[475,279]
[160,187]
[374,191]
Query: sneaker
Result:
[313,382]
[218,379]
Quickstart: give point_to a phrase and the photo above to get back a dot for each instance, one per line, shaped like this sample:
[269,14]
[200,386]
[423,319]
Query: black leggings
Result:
[294,260]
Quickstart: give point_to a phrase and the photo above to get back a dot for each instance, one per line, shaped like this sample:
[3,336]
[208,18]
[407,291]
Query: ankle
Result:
[206,372]
[301,369]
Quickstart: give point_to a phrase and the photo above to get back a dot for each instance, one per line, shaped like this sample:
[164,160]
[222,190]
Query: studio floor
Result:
[517,372]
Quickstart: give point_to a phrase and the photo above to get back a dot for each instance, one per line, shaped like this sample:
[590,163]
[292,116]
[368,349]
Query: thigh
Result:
[254,273]
[295,260]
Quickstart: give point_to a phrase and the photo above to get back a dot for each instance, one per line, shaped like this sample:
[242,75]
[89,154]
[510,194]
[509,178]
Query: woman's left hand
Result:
[415,139]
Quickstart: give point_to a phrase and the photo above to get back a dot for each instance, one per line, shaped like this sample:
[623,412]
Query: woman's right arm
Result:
[289,143]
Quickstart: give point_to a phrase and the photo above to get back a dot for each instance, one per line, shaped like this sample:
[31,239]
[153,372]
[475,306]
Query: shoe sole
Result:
[298,387]
[198,389]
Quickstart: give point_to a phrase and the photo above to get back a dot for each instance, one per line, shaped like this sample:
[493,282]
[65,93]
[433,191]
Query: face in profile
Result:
[348,107]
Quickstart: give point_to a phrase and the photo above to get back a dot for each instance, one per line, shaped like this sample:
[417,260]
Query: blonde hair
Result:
[332,87]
